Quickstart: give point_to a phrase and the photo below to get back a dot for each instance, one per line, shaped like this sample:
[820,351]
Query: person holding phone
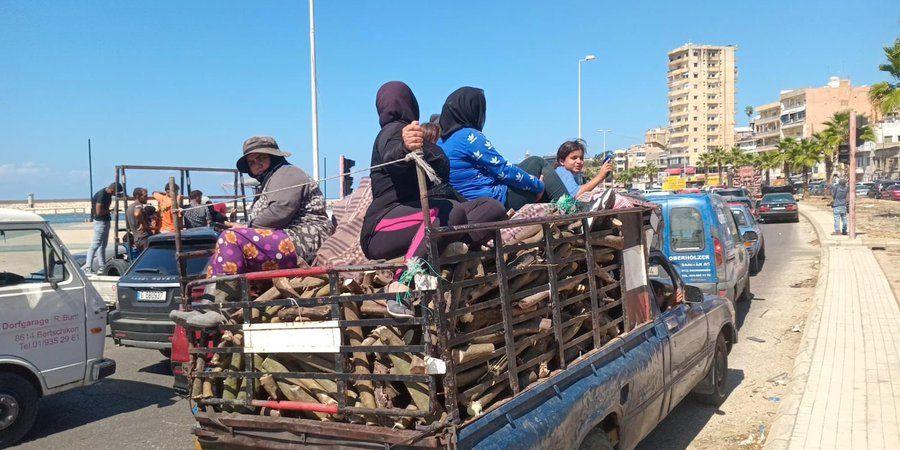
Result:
[570,168]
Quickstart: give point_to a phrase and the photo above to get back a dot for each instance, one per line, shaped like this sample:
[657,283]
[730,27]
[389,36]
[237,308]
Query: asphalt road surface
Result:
[136,408]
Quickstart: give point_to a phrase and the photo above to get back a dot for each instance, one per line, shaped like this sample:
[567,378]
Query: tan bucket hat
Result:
[259,144]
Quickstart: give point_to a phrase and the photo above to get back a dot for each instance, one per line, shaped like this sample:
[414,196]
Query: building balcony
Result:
[767,134]
[796,123]
[768,119]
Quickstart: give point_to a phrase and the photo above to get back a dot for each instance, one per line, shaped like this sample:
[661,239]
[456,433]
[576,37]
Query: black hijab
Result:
[464,108]
[396,102]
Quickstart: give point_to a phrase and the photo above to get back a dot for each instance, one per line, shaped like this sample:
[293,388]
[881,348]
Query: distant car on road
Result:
[751,235]
[702,240]
[891,192]
[779,206]
[879,186]
[746,202]
[862,189]
[733,192]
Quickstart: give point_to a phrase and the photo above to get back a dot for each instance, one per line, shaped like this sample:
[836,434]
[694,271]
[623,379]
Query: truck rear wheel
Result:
[718,374]
[18,408]
[597,439]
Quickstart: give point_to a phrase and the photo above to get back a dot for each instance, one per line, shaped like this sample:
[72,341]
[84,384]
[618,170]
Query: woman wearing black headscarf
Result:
[393,225]
[477,169]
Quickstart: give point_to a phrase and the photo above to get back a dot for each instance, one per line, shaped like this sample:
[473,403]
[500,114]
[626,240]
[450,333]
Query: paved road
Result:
[135,409]
[782,292]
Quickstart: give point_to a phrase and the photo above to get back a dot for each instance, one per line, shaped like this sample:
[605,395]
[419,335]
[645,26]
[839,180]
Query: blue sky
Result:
[186,82]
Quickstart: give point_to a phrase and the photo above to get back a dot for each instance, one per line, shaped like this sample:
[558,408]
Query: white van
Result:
[52,322]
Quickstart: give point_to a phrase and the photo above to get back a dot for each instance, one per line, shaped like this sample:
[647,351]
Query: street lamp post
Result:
[604,138]
[313,90]
[586,58]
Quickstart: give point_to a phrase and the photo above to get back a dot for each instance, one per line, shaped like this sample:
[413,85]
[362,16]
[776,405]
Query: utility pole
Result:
[313,90]
[851,179]
[90,171]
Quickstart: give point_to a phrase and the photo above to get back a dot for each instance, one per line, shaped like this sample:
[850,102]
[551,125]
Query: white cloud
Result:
[78,174]
[13,172]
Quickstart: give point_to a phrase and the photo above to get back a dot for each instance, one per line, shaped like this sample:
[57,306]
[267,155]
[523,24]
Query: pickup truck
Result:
[667,340]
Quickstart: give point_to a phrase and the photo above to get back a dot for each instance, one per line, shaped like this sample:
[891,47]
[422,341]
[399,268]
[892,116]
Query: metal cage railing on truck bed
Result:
[184,174]
[581,308]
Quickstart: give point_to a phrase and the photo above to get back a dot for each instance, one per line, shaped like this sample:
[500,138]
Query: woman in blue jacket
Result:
[477,169]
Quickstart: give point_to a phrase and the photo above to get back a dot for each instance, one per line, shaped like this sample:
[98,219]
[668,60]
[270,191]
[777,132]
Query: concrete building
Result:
[805,111]
[767,126]
[701,101]
[658,136]
[881,159]
[745,138]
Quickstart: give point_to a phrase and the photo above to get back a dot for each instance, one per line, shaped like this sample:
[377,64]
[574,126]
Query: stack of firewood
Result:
[476,341]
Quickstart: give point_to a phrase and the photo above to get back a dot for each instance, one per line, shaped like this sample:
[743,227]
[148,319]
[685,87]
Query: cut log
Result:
[472,352]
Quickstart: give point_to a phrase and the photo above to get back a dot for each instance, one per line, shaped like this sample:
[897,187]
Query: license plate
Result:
[151,296]
[778,208]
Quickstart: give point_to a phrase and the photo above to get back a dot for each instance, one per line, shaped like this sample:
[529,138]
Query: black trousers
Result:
[402,229]
[553,185]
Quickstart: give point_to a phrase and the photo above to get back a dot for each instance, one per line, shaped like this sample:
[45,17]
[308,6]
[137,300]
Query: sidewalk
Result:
[845,387]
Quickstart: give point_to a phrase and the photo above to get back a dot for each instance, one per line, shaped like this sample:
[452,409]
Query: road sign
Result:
[673,184]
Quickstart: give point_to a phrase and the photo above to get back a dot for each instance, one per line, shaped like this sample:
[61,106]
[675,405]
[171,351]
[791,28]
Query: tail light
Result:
[720,252]
[791,207]
[764,208]
[180,351]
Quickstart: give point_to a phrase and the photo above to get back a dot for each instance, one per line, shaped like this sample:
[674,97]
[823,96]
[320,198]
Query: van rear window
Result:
[160,260]
[686,230]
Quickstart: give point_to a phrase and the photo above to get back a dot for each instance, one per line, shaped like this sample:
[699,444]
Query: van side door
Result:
[732,245]
[42,312]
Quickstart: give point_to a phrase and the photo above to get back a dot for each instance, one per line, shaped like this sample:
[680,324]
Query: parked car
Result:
[779,206]
[817,188]
[702,240]
[891,192]
[879,186]
[54,322]
[150,290]
[862,189]
[751,235]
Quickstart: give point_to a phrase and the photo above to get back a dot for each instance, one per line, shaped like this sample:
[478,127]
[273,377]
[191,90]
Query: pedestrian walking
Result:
[101,217]
[839,193]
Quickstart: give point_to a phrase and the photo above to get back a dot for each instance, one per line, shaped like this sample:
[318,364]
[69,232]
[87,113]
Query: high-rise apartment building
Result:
[701,101]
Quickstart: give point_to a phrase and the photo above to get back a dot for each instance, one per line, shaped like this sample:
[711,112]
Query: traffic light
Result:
[843,155]
[346,165]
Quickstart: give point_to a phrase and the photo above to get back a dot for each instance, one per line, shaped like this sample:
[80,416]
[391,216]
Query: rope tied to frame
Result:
[416,157]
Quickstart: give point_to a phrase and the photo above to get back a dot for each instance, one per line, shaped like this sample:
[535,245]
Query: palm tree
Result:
[804,156]
[785,146]
[735,158]
[837,132]
[766,161]
[748,110]
[885,95]
[626,176]
[651,170]
[718,158]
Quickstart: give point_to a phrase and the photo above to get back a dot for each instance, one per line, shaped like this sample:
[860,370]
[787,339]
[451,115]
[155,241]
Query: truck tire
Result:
[754,265]
[597,439]
[717,375]
[745,293]
[115,268]
[18,408]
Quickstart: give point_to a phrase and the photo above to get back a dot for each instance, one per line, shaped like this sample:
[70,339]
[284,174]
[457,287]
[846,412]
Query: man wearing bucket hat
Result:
[287,220]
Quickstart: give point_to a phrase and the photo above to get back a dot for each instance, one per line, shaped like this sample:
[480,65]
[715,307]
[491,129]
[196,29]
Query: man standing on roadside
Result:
[138,221]
[101,216]
[839,193]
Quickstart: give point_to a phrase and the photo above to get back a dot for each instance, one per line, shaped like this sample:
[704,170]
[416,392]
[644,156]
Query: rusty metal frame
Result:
[439,311]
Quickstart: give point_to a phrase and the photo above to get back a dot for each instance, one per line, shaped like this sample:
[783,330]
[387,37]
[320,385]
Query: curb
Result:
[825,240]
[782,427]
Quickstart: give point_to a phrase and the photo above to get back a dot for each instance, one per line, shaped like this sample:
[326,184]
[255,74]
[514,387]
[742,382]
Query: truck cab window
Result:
[22,257]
